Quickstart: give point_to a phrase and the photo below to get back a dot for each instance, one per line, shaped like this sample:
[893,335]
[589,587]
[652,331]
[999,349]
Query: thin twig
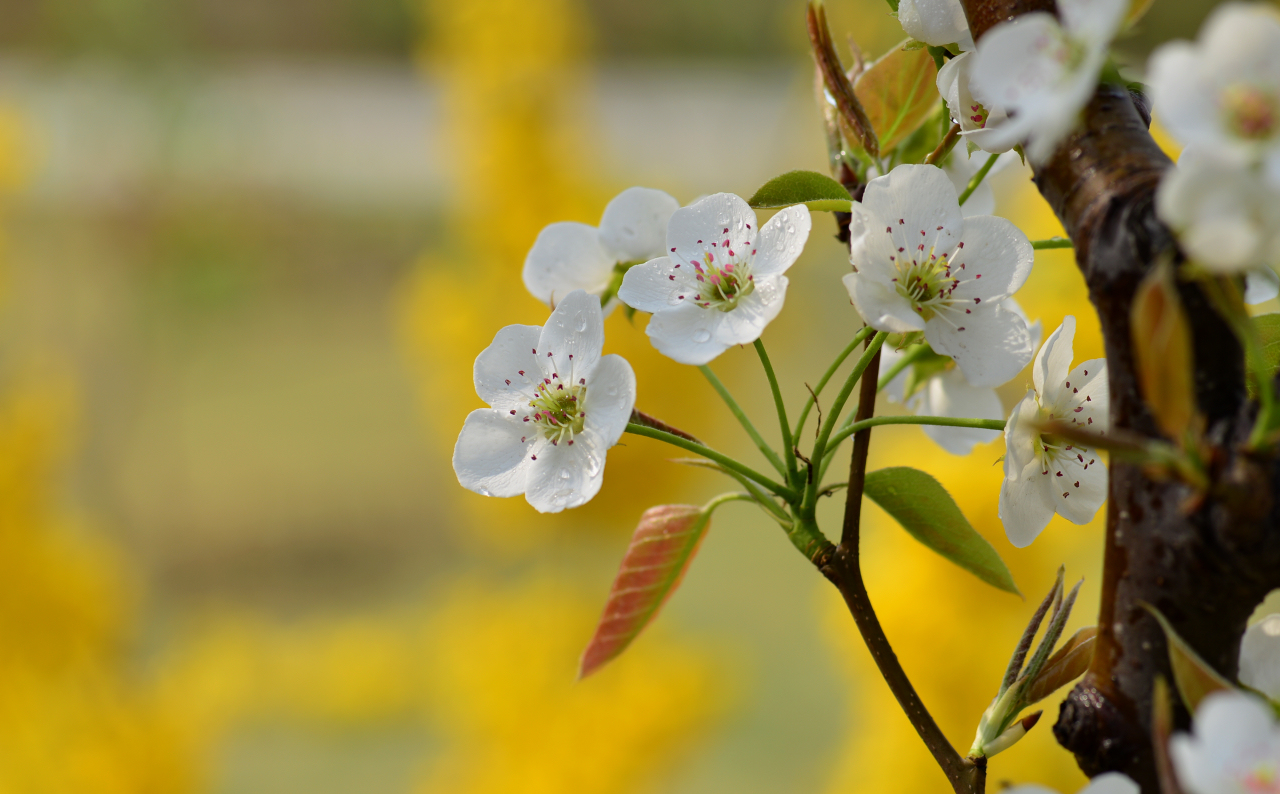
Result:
[817,406]
[945,146]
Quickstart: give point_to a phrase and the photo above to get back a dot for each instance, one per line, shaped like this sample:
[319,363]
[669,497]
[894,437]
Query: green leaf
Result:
[924,508]
[817,192]
[898,93]
[1066,665]
[1192,675]
[660,551]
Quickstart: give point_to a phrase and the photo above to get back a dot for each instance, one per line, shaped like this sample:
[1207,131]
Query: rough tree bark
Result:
[1205,569]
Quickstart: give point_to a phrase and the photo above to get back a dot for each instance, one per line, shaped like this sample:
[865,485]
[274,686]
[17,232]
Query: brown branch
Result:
[1205,569]
[843,568]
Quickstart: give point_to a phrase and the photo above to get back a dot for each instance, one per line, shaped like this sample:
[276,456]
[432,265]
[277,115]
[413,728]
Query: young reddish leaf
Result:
[1192,675]
[660,551]
[898,92]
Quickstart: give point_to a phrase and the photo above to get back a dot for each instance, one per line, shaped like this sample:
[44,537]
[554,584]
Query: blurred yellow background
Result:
[249,253]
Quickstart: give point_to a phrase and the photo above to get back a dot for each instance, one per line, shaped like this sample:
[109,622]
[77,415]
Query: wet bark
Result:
[1205,568]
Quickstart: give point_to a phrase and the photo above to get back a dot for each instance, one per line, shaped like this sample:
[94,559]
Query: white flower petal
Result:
[497,369]
[611,394]
[936,22]
[1084,398]
[1016,62]
[491,456]
[880,306]
[895,389]
[744,324]
[701,227]
[653,286]
[1080,491]
[565,475]
[990,347]
[686,334]
[781,241]
[1260,286]
[1111,783]
[1053,362]
[998,252]
[634,225]
[1260,657]
[918,205]
[1025,509]
[1093,20]
[1020,435]
[1236,738]
[567,256]
[573,337]
[1036,329]
[950,395]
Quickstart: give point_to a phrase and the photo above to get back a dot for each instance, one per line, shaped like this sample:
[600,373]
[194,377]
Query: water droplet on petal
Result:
[791,230]
[484,491]
[701,335]
[565,474]
[582,325]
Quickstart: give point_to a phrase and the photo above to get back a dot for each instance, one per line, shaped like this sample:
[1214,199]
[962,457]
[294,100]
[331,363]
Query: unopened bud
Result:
[1012,734]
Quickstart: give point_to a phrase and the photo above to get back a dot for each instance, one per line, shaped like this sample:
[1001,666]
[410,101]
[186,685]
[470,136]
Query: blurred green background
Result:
[249,252]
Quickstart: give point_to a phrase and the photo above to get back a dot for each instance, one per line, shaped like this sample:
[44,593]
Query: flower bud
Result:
[1012,734]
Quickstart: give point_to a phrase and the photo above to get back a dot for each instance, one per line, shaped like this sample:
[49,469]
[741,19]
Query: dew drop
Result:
[565,474]
[582,325]
[484,491]
[701,335]
[791,230]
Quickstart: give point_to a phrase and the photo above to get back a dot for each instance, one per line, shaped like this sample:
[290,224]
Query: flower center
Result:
[557,409]
[1251,113]
[723,282]
[1261,779]
[926,283]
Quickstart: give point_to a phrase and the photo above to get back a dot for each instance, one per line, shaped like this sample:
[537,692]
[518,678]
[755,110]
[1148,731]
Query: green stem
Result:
[940,421]
[710,454]
[1052,242]
[977,179]
[737,411]
[912,356]
[788,449]
[824,434]
[761,497]
[858,339]
[727,497]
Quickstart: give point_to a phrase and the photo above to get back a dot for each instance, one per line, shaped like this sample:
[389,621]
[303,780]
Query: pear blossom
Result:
[556,406]
[1234,748]
[1043,474]
[1106,783]
[936,22]
[948,394]
[1223,91]
[1260,657]
[920,265]
[961,166]
[1226,215]
[1260,286]
[972,116]
[721,280]
[1043,72]
[568,256]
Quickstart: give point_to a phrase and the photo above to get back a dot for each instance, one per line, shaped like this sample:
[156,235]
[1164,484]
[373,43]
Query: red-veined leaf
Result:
[898,93]
[660,551]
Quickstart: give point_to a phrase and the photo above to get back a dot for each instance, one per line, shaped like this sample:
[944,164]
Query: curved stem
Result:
[710,454]
[858,339]
[741,416]
[788,449]
[977,178]
[1052,242]
[820,446]
[944,148]
[910,358]
[941,421]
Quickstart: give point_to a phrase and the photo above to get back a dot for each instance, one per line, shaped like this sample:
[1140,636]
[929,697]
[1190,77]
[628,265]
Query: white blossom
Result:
[721,280]
[568,256]
[1044,474]
[556,407]
[1234,749]
[1043,72]
[920,265]
[936,22]
[972,116]
[1223,91]
[948,394]
[1260,286]
[961,166]
[1106,783]
[1260,657]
